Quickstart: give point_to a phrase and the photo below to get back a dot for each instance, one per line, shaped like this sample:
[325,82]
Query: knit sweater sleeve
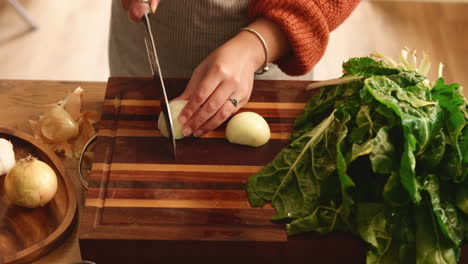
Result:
[307,25]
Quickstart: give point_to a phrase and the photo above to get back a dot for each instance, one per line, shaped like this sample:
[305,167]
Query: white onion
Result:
[248,128]
[176,107]
[30,183]
[7,156]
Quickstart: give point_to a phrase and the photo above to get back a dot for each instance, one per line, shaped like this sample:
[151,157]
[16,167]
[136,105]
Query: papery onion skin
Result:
[30,183]
[7,156]
[58,126]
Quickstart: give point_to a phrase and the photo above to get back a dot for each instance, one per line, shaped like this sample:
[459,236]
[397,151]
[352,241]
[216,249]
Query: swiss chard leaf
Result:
[444,211]
[367,67]
[373,227]
[383,154]
[431,245]
[300,188]
[407,78]
[393,192]
[434,153]
[418,125]
[389,233]
[322,105]
[450,101]
[364,126]
[378,153]
[291,181]
[324,219]
[454,110]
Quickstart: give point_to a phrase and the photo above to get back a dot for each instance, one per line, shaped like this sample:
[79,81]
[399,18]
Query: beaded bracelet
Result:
[265,67]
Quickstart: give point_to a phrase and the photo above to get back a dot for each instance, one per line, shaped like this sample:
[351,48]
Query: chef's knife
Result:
[156,71]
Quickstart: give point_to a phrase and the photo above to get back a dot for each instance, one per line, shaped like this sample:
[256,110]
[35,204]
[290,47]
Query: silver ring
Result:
[234,101]
[144,1]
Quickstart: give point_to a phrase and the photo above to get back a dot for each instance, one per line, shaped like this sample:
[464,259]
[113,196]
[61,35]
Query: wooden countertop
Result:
[22,100]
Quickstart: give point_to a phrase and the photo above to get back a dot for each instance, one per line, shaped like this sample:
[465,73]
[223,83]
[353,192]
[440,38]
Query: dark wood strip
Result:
[171,194]
[90,229]
[170,185]
[154,133]
[155,110]
[110,117]
[212,151]
[187,216]
[147,125]
[154,118]
[264,90]
[103,151]
[152,125]
[173,176]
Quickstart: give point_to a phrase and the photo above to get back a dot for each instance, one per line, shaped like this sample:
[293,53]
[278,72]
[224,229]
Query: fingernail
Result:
[182,119]
[198,133]
[187,131]
[153,9]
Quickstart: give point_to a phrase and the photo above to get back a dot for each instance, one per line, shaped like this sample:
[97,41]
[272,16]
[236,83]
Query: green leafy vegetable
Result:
[383,153]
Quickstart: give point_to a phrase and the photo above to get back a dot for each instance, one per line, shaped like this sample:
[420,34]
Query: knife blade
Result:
[157,74]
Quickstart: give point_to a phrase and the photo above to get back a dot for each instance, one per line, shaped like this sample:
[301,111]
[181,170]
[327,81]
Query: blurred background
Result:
[72,38]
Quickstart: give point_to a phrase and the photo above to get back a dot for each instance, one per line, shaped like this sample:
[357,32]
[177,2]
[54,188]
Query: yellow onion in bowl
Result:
[30,183]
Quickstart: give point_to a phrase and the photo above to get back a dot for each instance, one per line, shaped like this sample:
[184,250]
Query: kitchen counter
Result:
[22,100]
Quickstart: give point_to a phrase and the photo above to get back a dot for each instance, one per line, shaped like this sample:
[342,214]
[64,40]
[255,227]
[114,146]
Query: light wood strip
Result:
[252,105]
[175,167]
[136,203]
[123,132]
[100,167]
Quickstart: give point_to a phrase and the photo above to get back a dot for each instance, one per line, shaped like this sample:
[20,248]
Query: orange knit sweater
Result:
[306,23]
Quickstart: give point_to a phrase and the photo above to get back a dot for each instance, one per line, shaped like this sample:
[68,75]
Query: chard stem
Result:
[335,81]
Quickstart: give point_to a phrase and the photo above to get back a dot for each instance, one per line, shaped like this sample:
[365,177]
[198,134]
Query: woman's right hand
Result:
[137,9]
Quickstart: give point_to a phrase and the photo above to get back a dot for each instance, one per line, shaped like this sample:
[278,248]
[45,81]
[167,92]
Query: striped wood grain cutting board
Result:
[138,192]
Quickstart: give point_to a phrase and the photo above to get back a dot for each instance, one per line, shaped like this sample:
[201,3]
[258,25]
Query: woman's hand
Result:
[228,73]
[137,9]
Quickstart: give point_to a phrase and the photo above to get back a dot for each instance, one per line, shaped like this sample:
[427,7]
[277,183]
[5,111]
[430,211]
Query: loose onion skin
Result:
[30,183]
[58,126]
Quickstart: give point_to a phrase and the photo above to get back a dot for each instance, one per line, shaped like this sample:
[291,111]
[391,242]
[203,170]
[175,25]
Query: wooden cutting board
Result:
[144,207]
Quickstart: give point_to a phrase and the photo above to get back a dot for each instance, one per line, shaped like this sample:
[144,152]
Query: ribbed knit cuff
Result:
[306,26]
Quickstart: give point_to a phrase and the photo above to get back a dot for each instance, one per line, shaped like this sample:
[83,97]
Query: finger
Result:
[226,110]
[201,91]
[209,108]
[137,10]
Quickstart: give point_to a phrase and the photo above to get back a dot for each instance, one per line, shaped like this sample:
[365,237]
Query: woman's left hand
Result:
[227,73]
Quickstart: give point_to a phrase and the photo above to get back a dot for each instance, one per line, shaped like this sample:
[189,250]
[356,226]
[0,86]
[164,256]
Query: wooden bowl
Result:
[26,234]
